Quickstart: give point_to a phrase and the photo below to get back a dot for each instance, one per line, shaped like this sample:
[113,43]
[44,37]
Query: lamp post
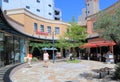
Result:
[53,55]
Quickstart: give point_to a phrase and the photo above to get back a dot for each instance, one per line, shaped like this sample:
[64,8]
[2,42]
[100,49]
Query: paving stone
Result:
[59,72]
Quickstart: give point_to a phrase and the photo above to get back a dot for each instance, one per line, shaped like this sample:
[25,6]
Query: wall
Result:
[34,5]
[28,19]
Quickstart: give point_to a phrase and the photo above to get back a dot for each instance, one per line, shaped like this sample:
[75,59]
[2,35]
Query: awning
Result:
[88,45]
[97,44]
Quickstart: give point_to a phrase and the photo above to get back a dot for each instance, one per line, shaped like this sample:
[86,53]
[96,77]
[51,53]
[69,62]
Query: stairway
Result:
[5,71]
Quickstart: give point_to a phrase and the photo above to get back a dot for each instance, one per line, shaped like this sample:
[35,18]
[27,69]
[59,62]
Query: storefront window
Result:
[17,49]
[1,50]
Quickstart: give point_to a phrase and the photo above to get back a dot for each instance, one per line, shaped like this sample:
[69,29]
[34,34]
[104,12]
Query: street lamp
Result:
[53,55]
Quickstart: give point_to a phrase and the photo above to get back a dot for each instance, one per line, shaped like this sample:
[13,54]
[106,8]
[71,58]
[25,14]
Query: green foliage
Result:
[34,59]
[40,45]
[108,24]
[74,37]
[117,72]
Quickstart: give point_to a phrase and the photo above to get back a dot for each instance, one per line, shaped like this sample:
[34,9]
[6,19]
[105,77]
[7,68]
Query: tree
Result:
[73,37]
[39,45]
[108,25]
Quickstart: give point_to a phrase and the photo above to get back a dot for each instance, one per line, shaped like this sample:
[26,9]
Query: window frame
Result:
[57,30]
[41,28]
[49,29]
[7,1]
[35,26]
[38,10]
[38,1]
[28,7]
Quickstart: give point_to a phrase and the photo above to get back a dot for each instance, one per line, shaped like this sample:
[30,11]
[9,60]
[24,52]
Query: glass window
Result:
[49,5]
[17,49]
[94,24]
[88,11]
[6,1]
[38,1]
[49,29]
[1,36]
[57,30]
[50,13]
[88,4]
[41,28]
[68,30]
[28,7]
[35,27]
[38,10]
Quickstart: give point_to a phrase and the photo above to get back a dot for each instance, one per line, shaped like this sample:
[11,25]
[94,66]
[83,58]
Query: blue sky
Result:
[72,8]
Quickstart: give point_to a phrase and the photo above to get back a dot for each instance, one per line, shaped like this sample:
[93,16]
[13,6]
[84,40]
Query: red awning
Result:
[88,45]
[97,44]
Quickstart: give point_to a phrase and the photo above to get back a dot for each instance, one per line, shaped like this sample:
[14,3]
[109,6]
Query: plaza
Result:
[27,28]
[61,71]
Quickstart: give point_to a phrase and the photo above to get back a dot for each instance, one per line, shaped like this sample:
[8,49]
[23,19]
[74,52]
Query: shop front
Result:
[11,49]
[12,43]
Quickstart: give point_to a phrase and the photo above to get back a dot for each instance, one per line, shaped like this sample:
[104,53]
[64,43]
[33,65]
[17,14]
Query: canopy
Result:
[97,44]
[88,45]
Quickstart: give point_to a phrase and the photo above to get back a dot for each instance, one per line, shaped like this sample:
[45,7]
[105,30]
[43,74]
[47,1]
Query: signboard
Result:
[41,33]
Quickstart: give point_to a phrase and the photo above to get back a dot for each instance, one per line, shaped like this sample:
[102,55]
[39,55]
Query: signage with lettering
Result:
[41,33]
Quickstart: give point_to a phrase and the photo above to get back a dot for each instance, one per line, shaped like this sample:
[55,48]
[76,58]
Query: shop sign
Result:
[41,33]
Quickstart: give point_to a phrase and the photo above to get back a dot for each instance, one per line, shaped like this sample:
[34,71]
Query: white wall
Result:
[42,6]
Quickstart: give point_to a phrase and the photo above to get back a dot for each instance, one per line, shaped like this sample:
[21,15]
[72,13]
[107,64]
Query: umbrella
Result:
[49,48]
[53,48]
[45,48]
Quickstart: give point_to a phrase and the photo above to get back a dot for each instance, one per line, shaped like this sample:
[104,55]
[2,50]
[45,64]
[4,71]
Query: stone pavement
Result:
[61,72]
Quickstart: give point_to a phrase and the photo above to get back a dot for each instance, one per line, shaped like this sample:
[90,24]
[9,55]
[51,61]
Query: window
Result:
[68,30]
[41,28]
[94,24]
[6,1]
[49,13]
[88,4]
[49,5]
[49,29]
[57,30]
[88,11]
[38,10]
[38,1]
[28,7]
[35,27]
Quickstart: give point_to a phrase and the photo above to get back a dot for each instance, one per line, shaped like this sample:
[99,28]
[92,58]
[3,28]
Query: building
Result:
[94,37]
[20,26]
[42,8]
[92,7]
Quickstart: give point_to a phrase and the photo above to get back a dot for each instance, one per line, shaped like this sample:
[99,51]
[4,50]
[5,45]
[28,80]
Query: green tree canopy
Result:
[108,25]
[73,37]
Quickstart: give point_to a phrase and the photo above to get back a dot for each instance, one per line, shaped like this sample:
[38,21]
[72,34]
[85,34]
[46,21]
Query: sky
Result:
[73,8]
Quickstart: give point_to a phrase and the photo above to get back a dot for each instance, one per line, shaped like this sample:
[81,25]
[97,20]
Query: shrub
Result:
[34,59]
[73,61]
[117,72]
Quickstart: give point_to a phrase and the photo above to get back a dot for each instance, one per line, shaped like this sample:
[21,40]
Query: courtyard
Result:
[61,71]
